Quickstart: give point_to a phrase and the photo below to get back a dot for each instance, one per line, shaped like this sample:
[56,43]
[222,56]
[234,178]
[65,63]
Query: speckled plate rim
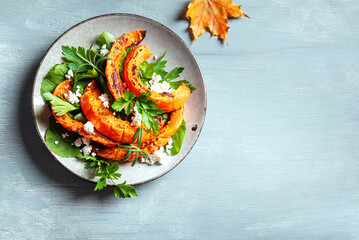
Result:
[199,127]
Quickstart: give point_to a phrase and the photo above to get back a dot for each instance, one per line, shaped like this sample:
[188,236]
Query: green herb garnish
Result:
[148,69]
[133,148]
[59,105]
[106,171]
[148,108]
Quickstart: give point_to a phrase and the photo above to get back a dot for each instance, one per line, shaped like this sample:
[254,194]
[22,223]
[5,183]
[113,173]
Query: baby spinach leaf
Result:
[54,77]
[178,138]
[59,145]
[107,39]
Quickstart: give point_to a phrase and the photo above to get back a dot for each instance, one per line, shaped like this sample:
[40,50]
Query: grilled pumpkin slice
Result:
[103,119]
[167,101]
[150,145]
[114,82]
[76,126]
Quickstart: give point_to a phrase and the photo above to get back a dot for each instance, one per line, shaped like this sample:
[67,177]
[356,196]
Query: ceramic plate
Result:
[158,39]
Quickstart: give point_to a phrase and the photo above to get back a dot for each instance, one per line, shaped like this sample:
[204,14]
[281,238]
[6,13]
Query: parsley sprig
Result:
[106,171]
[133,148]
[148,69]
[148,108]
[86,63]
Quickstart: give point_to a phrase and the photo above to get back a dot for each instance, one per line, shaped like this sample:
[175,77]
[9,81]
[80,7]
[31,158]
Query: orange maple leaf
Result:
[212,15]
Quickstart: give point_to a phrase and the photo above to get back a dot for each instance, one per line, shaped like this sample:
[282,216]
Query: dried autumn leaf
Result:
[212,15]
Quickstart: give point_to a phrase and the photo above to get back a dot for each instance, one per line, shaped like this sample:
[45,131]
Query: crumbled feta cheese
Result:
[137,118]
[71,97]
[86,141]
[158,157]
[78,142]
[89,127]
[104,50]
[65,135]
[56,142]
[89,84]
[114,113]
[169,144]
[86,150]
[105,100]
[78,94]
[156,86]
[70,74]
[93,154]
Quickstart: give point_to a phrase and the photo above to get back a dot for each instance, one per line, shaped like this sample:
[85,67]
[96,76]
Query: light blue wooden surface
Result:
[278,157]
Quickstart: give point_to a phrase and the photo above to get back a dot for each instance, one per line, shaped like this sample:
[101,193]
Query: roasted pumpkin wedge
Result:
[114,82]
[103,119]
[76,126]
[150,145]
[167,101]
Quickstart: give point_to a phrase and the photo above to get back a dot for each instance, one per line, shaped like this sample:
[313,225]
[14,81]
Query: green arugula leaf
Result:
[55,76]
[59,105]
[107,39]
[59,145]
[178,138]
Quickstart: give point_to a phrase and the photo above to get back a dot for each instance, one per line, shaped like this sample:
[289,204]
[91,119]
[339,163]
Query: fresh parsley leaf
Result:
[54,77]
[59,105]
[108,172]
[150,123]
[59,145]
[124,103]
[107,39]
[173,74]
[148,108]
[88,62]
[178,138]
[176,84]
[129,96]
[122,191]
[101,183]
[148,69]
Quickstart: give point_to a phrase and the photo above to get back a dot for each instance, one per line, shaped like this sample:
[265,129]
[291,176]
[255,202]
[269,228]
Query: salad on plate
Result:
[115,102]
